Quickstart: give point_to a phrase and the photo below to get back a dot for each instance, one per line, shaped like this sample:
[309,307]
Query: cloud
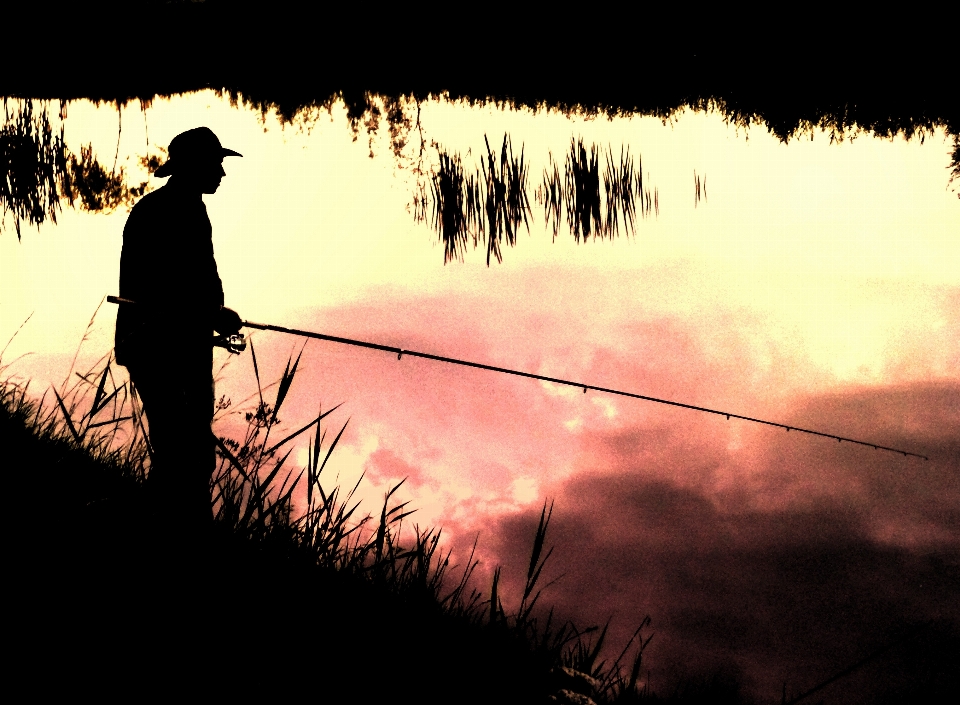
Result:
[778,557]
[385,466]
[825,552]
[774,556]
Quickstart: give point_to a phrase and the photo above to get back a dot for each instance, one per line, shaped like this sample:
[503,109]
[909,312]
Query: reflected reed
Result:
[490,204]
[38,171]
[699,188]
[578,194]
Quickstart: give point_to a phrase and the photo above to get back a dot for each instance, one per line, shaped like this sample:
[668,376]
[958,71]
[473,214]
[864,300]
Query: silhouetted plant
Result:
[506,204]
[38,171]
[490,203]
[582,190]
[649,200]
[578,194]
[454,201]
[699,188]
[33,162]
[551,195]
[98,191]
[399,125]
[955,161]
[618,183]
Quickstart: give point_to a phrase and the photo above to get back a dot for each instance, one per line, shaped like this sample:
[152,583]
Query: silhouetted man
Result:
[165,338]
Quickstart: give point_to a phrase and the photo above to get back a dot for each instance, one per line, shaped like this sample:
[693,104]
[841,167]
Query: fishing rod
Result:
[237,343]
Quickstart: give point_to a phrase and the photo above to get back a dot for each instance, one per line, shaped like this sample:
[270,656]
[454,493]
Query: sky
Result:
[816,285]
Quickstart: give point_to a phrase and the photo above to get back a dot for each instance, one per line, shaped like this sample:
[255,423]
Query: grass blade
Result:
[66,416]
[301,430]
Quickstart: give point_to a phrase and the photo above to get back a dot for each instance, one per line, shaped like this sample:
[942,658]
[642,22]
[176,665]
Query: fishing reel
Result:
[235,343]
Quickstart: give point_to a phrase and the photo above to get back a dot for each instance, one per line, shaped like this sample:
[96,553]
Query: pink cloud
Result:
[775,556]
[384,466]
[855,546]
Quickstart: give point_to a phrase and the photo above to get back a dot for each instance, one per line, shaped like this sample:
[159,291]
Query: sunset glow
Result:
[817,285]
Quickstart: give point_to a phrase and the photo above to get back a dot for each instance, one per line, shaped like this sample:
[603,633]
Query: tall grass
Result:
[582,190]
[490,204]
[618,184]
[257,505]
[699,188]
[592,210]
[38,171]
[33,162]
[507,204]
[486,205]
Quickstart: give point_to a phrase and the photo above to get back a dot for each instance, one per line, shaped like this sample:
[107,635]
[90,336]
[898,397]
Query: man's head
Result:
[196,158]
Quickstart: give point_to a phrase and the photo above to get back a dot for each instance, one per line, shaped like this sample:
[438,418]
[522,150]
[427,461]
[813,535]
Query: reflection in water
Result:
[773,317]
[506,203]
[33,162]
[578,194]
[38,170]
[87,181]
[618,182]
[582,190]
[955,161]
[457,206]
[489,204]
[699,188]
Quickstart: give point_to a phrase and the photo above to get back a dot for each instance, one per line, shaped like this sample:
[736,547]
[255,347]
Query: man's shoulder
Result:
[160,208]
[160,199]
[148,207]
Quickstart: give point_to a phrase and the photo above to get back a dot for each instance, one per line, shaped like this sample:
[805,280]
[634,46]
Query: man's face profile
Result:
[204,174]
[196,160]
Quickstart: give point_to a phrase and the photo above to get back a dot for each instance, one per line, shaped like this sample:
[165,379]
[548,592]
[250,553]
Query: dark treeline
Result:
[885,74]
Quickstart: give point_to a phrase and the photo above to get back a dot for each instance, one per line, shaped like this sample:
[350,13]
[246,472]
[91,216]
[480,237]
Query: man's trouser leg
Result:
[179,407]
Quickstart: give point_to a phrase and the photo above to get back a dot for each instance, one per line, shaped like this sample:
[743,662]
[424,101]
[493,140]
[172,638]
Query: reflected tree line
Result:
[488,204]
[38,172]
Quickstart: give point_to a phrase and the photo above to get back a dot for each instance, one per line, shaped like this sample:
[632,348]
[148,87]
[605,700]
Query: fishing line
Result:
[401,352]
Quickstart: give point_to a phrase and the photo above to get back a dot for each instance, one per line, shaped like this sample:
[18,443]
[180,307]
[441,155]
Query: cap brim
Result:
[164,169]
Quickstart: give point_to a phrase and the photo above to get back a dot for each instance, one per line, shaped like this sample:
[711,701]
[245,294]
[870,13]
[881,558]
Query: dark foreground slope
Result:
[109,598]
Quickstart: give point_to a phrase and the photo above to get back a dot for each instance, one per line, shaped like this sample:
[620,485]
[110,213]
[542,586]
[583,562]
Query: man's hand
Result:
[227,322]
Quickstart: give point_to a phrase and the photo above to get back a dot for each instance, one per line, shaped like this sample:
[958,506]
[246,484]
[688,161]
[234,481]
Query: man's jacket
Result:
[167,267]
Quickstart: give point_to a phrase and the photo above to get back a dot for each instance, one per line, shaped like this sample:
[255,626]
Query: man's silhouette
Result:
[165,338]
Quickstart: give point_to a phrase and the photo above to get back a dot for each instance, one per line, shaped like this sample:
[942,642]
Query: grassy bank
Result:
[113,597]
[110,596]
